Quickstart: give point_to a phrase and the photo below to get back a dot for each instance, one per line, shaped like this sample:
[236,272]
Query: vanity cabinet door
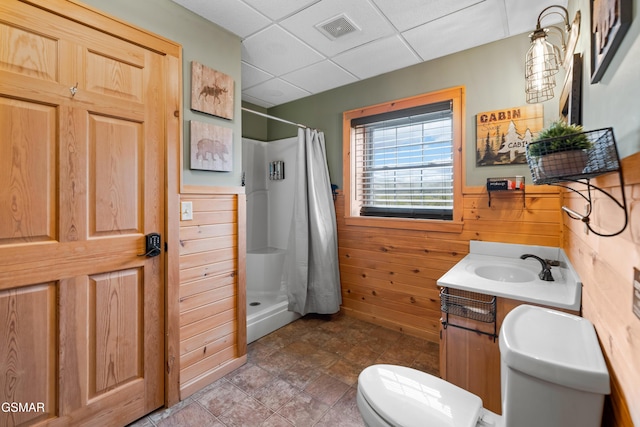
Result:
[471,360]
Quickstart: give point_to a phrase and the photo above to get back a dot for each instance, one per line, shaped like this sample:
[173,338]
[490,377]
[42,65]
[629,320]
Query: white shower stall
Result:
[269,212]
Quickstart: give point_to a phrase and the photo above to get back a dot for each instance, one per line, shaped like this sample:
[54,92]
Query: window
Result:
[403,160]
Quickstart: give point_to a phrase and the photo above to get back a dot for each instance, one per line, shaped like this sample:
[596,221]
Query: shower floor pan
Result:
[266,312]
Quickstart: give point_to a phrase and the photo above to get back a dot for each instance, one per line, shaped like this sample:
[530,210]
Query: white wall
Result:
[201,41]
[269,203]
[281,192]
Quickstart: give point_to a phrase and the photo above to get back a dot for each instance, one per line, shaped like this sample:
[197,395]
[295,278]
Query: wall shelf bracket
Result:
[579,167]
[511,184]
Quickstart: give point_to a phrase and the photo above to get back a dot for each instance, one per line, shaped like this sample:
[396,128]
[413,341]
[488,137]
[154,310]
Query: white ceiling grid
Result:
[285,57]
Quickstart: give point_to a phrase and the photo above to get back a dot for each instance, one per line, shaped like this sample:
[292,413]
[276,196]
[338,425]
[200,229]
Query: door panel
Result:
[116,175]
[86,174]
[27,351]
[116,336]
[32,54]
[27,171]
[120,77]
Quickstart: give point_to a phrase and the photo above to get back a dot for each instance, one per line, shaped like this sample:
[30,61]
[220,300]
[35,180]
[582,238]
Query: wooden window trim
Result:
[352,209]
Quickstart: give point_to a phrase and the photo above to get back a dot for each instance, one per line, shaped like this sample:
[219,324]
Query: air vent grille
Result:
[337,27]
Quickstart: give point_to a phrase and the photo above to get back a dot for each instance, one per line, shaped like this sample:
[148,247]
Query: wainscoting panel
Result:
[389,275]
[605,265]
[211,299]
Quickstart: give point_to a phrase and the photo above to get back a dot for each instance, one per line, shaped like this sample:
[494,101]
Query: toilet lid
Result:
[406,397]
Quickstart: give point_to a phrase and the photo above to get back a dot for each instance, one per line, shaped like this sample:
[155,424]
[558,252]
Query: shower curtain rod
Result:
[274,118]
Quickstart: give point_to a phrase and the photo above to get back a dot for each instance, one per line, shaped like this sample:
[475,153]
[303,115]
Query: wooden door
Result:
[81,183]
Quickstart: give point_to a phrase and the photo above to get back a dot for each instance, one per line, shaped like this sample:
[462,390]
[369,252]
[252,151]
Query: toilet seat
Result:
[407,397]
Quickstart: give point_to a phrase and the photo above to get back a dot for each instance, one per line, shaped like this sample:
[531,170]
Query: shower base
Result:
[266,312]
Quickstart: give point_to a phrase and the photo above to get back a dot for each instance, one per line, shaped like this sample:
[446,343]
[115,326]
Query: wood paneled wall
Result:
[605,265]
[389,276]
[211,292]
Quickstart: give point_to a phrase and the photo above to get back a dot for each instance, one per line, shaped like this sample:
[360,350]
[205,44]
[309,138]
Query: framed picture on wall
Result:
[571,95]
[211,147]
[502,136]
[211,91]
[610,20]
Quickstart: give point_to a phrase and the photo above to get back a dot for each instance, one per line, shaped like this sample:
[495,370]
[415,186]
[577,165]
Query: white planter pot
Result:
[564,163]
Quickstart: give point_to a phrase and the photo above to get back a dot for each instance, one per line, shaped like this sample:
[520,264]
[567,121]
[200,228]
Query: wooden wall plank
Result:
[605,266]
[211,289]
[206,284]
[205,324]
[389,275]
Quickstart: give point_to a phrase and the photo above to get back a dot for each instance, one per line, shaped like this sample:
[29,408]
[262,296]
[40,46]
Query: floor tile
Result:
[303,410]
[191,415]
[345,370]
[304,374]
[361,355]
[347,405]
[300,374]
[221,398]
[249,412]
[326,389]
[277,362]
[276,420]
[250,377]
[275,394]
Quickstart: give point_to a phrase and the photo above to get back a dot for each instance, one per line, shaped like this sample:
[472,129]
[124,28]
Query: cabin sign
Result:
[502,136]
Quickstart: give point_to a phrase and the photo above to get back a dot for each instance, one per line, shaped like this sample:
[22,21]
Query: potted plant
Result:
[560,150]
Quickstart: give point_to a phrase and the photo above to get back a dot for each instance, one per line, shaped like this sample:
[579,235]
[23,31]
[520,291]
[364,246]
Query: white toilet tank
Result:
[552,370]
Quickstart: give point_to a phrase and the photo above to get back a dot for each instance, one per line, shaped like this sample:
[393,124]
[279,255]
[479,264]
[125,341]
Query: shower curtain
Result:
[311,264]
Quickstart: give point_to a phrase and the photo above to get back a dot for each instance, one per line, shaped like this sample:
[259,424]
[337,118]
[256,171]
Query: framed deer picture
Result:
[211,91]
[211,147]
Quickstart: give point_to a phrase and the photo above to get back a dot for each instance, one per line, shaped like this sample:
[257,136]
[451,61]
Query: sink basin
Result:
[505,273]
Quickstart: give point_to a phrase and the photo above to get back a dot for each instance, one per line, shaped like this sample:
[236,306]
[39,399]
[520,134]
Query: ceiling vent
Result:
[337,27]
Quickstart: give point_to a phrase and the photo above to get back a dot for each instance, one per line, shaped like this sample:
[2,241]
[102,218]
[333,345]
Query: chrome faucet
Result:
[545,274]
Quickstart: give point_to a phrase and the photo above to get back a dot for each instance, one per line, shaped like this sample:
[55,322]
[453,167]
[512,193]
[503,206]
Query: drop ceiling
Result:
[287,53]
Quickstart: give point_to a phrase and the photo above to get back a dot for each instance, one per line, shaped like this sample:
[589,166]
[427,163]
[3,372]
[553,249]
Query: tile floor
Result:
[304,374]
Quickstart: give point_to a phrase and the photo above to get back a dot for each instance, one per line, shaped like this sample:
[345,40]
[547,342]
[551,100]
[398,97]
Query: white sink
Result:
[496,269]
[504,273]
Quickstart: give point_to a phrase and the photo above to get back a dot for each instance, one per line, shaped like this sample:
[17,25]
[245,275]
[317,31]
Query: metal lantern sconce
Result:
[543,58]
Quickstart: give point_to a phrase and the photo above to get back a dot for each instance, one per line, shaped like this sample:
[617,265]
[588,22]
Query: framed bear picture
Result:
[211,147]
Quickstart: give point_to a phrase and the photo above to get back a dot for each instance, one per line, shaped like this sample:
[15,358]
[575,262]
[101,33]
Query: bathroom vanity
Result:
[478,292]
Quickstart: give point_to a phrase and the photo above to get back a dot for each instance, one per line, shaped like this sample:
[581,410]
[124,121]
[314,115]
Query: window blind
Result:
[404,162]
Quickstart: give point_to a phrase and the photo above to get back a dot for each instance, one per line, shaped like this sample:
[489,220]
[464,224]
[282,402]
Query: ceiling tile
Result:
[523,15]
[284,52]
[278,9]
[372,25]
[443,36]
[414,13]
[319,77]
[275,91]
[232,15]
[256,101]
[251,75]
[277,51]
[366,61]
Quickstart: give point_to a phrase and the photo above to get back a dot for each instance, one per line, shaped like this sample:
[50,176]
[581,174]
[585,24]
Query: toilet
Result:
[553,374]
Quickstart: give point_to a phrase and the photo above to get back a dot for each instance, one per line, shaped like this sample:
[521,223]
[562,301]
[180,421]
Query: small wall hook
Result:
[74,90]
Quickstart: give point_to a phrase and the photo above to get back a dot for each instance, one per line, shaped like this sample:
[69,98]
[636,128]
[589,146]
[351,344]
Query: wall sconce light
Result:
[544,58]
